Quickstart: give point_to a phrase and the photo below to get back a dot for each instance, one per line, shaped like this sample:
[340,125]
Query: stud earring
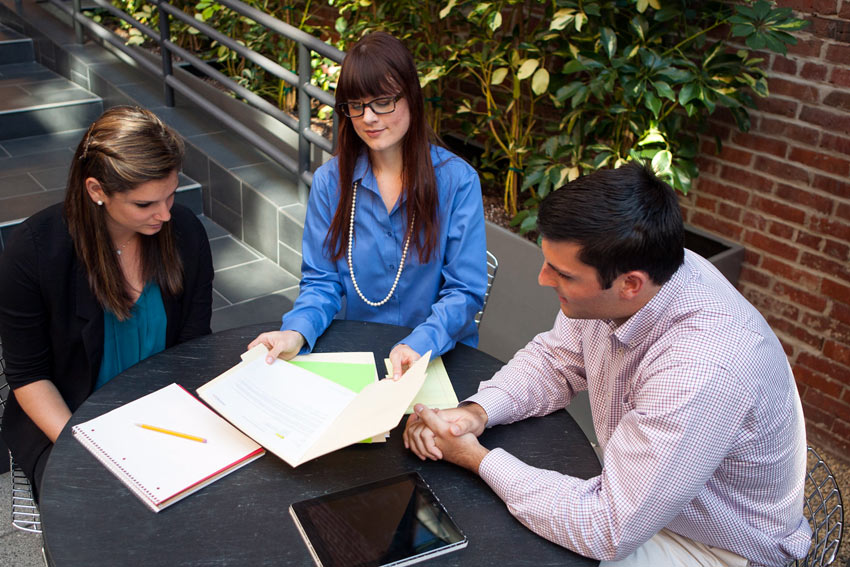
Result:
[100,203]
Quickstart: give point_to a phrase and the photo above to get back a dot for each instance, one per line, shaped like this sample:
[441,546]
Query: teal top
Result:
[127,342]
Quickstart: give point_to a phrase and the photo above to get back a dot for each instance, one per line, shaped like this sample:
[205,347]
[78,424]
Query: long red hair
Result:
[379,64]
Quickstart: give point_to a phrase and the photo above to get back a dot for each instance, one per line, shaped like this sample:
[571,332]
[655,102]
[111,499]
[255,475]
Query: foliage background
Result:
[547,89]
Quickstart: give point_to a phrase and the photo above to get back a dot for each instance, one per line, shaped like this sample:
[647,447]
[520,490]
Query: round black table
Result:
[90,518]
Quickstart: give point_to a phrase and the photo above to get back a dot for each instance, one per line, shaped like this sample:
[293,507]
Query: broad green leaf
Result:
[661,162]
[433,74]
[529,223]
[580,96]
[519,217]
[642,5]
[756,41]
[562,19]
[652,137]
[499,76]
[592,9]
[480,9]
[572,66]
[775,44]
[527,68]
[609,41]
[563,178]
[743,29]
[540,81]
[494,21]
[663,89]
[532,178]
[448,8]
[652,102]
[601,159]
[581,19]
[688,93]
[639,25]
[568,91]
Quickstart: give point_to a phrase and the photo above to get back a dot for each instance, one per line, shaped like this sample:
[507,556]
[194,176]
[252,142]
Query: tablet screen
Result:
[396,521]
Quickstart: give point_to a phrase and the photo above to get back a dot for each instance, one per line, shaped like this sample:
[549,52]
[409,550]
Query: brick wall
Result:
[783,191]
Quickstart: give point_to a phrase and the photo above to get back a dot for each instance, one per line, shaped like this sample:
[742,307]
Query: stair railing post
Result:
[78,27]
[305,71]
[165,37]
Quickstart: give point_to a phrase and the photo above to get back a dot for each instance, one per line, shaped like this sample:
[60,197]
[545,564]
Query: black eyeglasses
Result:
[382,105]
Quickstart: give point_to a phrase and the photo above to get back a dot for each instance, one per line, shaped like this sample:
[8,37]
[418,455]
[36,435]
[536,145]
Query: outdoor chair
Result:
[825,512]
[492,268]
[25,514]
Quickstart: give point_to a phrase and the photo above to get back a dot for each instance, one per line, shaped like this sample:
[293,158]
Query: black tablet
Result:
[395,521]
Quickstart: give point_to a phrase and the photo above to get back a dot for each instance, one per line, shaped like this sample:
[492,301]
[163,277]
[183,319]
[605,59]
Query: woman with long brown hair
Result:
[92,286]
[394,225]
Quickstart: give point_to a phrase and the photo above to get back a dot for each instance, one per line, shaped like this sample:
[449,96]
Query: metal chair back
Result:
[492,268]
[25,514]
[825,512]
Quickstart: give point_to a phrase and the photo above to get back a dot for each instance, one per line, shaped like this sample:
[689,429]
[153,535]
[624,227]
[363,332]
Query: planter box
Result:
[519,308]
[726,256]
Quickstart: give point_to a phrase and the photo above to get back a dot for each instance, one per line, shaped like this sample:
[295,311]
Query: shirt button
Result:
[389,233]
[392,267]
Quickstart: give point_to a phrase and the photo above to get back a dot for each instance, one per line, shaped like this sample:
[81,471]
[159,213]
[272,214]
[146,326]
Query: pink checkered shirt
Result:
[698,414]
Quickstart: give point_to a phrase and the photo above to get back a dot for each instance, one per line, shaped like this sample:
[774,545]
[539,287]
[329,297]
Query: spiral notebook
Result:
[166,445]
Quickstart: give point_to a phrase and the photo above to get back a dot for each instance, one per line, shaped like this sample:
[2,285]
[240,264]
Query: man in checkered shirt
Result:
[692,397]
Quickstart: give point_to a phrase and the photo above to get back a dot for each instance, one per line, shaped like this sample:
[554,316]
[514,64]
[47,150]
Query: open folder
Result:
[299,415]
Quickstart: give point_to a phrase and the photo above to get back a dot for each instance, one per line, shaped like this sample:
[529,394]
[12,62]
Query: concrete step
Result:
[34,171]
[34,100]
[14,47]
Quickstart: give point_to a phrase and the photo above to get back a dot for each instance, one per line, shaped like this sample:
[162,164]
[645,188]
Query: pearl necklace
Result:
[351,265]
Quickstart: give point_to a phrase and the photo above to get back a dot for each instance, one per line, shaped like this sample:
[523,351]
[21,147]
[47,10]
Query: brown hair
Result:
[379,64]
[125,147]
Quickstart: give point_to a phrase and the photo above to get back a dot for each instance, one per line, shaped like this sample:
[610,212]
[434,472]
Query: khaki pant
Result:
[668,548]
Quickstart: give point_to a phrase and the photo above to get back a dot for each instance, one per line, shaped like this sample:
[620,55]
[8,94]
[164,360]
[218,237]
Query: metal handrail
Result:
[307,45]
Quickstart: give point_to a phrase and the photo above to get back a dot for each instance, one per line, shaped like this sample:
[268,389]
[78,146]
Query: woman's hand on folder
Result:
[283,344]
[401,357]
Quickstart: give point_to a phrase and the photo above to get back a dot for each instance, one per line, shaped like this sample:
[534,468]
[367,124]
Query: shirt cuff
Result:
[499,469]
[420,344]
[496,403]
[304,327]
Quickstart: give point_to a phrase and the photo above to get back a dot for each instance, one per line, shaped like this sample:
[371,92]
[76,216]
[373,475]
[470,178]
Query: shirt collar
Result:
[363,173]
[637,327]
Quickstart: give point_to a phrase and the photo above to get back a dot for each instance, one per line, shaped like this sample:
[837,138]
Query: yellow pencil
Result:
[170,432]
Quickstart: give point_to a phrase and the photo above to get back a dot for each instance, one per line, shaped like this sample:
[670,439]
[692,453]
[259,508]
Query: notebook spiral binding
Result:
[129,480]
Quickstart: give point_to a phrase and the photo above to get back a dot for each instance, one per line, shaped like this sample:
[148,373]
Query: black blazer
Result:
[51,325]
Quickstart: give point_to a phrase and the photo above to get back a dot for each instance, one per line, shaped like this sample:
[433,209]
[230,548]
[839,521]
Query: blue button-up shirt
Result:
[439,299]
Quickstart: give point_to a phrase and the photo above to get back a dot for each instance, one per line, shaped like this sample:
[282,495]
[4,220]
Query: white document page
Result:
[281,406]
